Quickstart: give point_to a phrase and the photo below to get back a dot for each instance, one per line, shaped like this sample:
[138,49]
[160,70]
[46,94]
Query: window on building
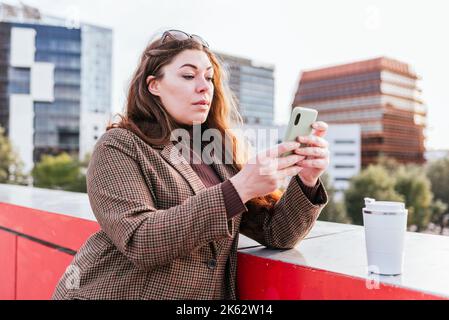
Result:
[344,166]
[344,154]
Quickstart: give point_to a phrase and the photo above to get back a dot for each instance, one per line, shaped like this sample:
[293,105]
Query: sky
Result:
[292,35]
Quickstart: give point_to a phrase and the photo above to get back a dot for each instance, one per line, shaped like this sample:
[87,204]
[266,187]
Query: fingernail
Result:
[294,145]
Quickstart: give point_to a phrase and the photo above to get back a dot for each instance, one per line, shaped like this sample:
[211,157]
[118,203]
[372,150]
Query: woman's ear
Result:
[153,85]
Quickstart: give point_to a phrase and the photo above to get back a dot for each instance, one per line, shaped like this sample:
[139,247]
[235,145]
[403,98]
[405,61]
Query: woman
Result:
[169,225]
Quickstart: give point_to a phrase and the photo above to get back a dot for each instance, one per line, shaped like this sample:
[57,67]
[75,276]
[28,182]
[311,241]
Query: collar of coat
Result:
[173,156]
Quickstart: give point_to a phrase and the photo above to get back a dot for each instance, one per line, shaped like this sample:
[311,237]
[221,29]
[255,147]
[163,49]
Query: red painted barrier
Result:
[35,251]
[8,250]
[59,229]
[31,265]
[265,279]
[39,269]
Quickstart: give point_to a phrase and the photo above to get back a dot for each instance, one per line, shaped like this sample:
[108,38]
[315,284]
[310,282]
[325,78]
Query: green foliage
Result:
[390,181]
[373,182]
[439,215]
[11,167]
[334,211]
[438,173]
[414,186]
[60,172]
[389,164]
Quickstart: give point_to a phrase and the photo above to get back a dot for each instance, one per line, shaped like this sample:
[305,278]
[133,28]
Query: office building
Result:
[55,83]
[253,85]
[379,94]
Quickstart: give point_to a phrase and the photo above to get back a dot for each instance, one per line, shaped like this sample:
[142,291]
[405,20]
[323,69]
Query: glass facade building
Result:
[253,86]
[57,123]
[379,94]
[5,35]
[55,84]
[96,75]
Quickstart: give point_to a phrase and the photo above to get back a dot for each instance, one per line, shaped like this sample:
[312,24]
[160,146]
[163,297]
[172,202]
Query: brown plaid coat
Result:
[163,234]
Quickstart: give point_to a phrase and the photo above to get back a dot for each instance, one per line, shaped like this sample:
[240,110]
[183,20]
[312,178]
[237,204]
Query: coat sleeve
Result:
[288,221]
[124,208]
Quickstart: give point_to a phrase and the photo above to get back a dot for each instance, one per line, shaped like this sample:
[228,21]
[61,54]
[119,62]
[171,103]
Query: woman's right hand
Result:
[265,172]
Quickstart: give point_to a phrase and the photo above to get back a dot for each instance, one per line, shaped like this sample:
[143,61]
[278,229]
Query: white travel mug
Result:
[385,226]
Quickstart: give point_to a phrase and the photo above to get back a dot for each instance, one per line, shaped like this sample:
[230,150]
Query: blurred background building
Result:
[433,155]
[55,83]
[379,94]
[345,155]
[253,85]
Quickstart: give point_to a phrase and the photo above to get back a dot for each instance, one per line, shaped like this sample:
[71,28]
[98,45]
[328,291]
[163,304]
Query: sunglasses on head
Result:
[182,36]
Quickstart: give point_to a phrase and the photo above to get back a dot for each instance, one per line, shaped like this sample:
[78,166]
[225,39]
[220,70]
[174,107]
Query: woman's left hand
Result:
[316,154]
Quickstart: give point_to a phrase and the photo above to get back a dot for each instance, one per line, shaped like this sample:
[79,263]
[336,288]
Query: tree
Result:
[414,186]
[373,182]
[438,174]
[389,164]
[60,172]
[85,163]
[439,215]
[334,211]
[11,167]
[390,181]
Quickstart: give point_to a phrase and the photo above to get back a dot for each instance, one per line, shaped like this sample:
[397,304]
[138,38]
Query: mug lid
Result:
[389,206]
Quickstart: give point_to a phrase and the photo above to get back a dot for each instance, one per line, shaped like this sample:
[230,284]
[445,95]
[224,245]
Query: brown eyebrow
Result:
[192,66]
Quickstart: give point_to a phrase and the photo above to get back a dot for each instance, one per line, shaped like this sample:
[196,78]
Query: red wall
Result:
[264,279]
[31,269]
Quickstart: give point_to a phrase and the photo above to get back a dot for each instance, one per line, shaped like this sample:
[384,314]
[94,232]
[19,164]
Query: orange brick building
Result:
[379,94]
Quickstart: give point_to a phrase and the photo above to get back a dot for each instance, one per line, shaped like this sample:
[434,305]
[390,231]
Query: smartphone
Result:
[300,124]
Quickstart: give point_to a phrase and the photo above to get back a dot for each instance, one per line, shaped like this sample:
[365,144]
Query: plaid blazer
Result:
[164,235]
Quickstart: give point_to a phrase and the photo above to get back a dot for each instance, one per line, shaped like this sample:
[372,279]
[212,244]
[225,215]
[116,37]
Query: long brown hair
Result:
[146,116]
